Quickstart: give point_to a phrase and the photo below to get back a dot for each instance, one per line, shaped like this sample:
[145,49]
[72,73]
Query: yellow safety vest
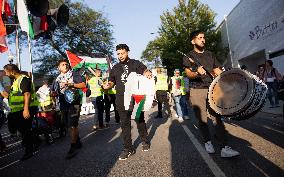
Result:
[96,89]
[16,97]
[47,102]
[162,82]
[182,87]
[112,91]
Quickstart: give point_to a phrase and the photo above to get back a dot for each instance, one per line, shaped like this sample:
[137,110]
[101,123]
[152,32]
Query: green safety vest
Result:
[182,87]
[112,91]
[96,89]
[16,97]
[162,82]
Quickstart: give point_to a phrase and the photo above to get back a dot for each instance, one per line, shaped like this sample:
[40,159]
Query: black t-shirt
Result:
[207,60]
[26,85]
[120,72]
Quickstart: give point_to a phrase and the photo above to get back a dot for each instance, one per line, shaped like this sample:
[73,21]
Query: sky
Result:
[135,22]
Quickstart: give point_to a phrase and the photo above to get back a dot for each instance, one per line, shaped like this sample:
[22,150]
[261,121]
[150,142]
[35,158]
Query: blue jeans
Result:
[178,106]
[183,104]
[272,92]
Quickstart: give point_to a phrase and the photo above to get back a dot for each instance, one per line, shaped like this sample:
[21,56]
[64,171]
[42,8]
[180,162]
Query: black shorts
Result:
[70,115]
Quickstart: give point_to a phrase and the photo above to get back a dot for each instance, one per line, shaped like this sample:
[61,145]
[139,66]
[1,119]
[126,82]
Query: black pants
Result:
[2,120]
[24,126]
[203,112]
[125,118]
[162,98]
[126,128]
[98,103]
[110,99]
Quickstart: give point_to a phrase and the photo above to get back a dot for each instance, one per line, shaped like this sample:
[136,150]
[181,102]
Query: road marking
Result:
[11,153]
[211,164]
[2,168]
[89,134]
[265,174]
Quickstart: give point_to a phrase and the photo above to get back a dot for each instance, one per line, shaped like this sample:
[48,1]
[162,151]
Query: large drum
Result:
[237,94]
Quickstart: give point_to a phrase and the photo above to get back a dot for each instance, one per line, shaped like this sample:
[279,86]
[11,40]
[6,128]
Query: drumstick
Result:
[198,64]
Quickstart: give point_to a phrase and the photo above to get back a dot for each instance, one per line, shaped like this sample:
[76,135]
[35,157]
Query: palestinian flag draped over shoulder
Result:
[139,101]
[24,19]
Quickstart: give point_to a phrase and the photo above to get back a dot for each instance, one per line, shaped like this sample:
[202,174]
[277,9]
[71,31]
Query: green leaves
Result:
[88,32]
[174,32]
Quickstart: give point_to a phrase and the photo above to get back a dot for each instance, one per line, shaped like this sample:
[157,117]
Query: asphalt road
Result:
[176,150]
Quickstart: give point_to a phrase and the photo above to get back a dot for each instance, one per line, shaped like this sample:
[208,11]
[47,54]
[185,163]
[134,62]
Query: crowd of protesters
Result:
[66,91]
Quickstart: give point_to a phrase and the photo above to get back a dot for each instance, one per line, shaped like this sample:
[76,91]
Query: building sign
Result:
[262,31]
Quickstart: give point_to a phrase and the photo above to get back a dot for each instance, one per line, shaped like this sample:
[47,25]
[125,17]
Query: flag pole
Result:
[17,48]
[17,38]
[30,55]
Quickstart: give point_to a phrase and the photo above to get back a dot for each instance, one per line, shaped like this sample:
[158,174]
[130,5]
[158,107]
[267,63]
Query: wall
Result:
[253,26]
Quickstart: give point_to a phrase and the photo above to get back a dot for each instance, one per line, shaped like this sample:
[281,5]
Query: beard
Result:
[200,48]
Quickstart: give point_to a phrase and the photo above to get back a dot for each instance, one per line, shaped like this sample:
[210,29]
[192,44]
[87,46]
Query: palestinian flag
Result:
[78,62]
[139,101]
[3,44]
[74,60]
[24,20]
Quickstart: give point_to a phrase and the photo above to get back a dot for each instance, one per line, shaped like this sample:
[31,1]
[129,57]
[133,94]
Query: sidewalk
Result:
[278,110]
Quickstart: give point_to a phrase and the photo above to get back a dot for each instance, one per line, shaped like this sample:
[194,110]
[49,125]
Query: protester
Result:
[179,93]
[162,82]
[109,99]
[97,99]
[23,103]
[201,78]
[118,77]
[3,94]
[44,98]
[67,86]
[271,77]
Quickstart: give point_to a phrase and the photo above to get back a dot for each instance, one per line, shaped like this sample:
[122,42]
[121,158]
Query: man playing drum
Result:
[201,76]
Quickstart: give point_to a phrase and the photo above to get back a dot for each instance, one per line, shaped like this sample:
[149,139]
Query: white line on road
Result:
[211,164]
[11,153]
[9,164]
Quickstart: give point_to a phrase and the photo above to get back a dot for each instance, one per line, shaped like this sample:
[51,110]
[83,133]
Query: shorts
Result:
[70,115]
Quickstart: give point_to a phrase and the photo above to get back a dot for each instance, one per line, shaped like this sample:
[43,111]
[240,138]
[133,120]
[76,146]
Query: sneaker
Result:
[227,151]
[126,153]
[186,117]
[209,147]
[72,151]
[145,146]
[180,119]
[102,127]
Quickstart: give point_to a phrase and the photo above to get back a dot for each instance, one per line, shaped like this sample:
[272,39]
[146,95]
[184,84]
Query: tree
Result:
[174,33]
[87,33]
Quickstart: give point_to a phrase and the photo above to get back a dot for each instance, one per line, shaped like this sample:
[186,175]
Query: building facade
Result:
[254,32]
